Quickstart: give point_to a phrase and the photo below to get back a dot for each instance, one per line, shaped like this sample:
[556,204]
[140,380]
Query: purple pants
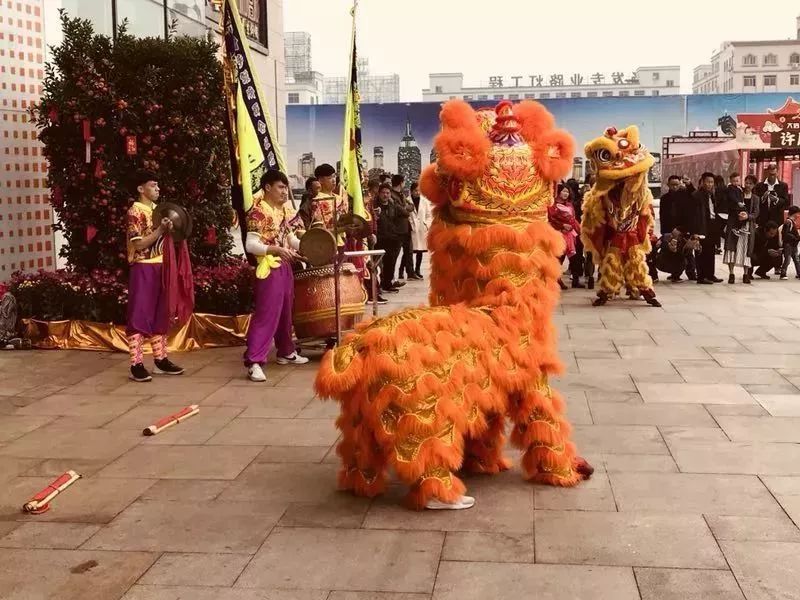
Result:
[272,317]
[147,310]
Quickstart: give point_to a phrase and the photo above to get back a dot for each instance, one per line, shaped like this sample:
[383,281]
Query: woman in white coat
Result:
[420,223]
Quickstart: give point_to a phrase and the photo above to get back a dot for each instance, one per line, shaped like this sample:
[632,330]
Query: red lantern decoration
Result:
[130,145]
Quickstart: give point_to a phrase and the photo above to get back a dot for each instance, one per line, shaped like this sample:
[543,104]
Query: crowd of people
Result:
[399,221]
[751,224]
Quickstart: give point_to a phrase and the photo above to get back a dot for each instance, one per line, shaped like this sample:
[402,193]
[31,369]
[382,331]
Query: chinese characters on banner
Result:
[559,80]
[789,136]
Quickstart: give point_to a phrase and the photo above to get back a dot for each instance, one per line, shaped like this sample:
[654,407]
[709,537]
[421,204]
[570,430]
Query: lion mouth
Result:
[630,160]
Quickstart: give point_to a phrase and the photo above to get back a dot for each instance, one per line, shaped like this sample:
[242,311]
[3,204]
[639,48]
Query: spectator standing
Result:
[774,197]
[399,197]
[388,238]
[702,222]
[743,207]
[420,223]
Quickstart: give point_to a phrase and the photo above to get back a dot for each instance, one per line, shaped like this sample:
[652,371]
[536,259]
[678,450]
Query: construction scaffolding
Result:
[377,89]
[297,52]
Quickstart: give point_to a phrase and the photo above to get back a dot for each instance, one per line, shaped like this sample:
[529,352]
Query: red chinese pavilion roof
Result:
[790,107]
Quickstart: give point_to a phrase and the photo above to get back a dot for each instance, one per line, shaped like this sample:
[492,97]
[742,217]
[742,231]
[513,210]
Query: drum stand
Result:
[375,257]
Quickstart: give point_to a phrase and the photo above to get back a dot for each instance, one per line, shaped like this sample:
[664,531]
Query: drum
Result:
[318,246]
[314,305]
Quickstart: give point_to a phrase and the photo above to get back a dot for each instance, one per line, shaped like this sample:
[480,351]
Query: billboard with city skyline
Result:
[315,131]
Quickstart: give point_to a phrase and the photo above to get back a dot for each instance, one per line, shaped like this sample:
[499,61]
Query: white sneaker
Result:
[293,359]
[256,373]
[460,504]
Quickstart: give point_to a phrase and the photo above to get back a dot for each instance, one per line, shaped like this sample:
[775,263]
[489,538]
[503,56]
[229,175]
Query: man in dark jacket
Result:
[790,235]
[774,197]
[702,222]
[403,227]
[673,205]
[389,223]
[767,251]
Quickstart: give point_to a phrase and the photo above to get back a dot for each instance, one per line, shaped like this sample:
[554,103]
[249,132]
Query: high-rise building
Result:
[373,89]
[298,52]
[751,67]
[377,157]
[577,168]
[434,155]
[409,156]
[306,165]
[26,219]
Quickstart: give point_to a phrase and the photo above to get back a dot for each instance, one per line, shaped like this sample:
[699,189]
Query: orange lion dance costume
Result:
[427,391]
[618,214]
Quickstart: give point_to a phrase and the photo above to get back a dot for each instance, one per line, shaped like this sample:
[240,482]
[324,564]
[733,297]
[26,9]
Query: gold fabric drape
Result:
[201,331]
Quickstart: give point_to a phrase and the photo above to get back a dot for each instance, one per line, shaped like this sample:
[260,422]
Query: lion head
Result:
[497,165]
[618,154]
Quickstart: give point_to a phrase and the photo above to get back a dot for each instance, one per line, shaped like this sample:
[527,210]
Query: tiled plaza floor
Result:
[691,415]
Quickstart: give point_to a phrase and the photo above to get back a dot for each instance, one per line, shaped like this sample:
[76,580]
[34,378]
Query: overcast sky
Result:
[525,37]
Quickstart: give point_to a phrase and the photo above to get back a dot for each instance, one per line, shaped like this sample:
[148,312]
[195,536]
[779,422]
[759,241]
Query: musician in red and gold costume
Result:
[427,392]
[324,202]
[273,231]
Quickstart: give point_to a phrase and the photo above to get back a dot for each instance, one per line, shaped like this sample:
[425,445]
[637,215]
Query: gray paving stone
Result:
[625,539]
[311,559]
[687,584]
[765,570]
[480,580]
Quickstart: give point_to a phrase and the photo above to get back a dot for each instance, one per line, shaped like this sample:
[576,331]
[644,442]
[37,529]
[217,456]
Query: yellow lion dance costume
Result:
[427,391]
[618,214]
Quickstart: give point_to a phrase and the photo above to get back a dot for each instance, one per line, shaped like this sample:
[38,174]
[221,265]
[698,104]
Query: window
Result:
[467,97]
[498,97]
[575,95]
[770,80]
[438,89]
[749,60]
[513,96]
[294,98]
[624,93]
[770,59]
[145,17]
[254,19]
[794,79]
[530,96]
[483,97]
[656,76]
[561,94]
[749,81]
[607,94]
[794,59]
[591,94]
[656,92]
[544,95]
[638,93]
[670,83]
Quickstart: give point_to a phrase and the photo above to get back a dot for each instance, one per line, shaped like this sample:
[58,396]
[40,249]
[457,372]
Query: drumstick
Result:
[41,502]
[171,420]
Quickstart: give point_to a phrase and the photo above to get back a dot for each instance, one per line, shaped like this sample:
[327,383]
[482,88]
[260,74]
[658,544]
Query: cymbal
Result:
[181,220]
[318,246]
[353,225]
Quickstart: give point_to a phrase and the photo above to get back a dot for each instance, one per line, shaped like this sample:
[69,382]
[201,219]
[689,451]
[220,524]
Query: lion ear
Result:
[534,119]
[431,186]
[553,152]
[462,147]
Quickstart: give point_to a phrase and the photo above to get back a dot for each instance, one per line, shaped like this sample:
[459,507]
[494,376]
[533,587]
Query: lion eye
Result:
[602,155]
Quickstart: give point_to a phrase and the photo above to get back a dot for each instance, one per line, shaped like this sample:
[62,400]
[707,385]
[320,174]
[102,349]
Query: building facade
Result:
[644,81]
[751,67]
[26,218]
[298,52]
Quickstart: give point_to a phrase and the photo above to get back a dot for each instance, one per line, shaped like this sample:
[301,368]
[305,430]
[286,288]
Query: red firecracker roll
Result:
[171,420]
[41,502]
